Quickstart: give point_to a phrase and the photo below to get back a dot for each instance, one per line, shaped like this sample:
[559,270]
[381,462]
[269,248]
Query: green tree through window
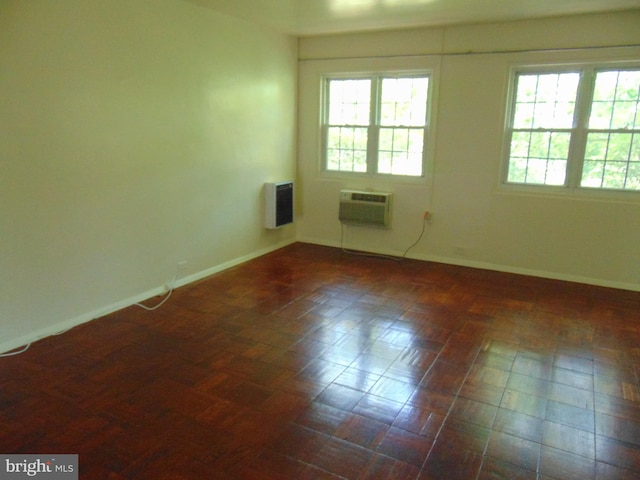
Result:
[588,119]
[376,124]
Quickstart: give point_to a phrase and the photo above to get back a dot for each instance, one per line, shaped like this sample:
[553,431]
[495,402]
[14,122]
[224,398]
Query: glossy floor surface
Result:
[309,363]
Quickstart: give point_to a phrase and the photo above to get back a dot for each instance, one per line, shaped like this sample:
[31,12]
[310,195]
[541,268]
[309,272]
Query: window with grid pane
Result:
[542,126]
[612,154]
[575,129]
[376,124]
[349,114]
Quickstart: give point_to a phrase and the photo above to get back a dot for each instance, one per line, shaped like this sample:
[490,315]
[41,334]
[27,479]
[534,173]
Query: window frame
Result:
[578,132]
[374,126]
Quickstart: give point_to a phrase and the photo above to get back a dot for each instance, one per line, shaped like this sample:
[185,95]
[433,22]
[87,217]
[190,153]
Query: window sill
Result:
[568,193]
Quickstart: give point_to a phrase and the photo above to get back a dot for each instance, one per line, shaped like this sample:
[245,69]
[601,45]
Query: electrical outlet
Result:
[428,216]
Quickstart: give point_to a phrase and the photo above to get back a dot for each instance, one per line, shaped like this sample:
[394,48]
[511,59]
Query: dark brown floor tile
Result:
[357,379]
[341,354]
[392,389]
[494,360]
[311,472]
[488,375]
[341,397]
[459,350]
[617,406]
[451,463]
[493,469]
[416,357]
[519,425]
[372,363]
[620,454]
[538,366]
[514,450]
[444,377]
[463,435]
[562,465]
[322,418]
[616,428]
[604,471]
[405,446]
[616,387]
[570,439]
[482,392]
[473,411]
[528,384]
[299,442]
[362,431]
[378,408]
[419,421]
[575,363]
[430,400]
[525,403]
[576,397]
[403,372]
[562,413]
[572,378]
[342,458]
[321,372]
[381,467]
[284,405]
[309,363]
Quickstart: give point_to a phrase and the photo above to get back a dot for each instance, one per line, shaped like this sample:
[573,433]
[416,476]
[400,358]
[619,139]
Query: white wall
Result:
[476,221]
[133,136]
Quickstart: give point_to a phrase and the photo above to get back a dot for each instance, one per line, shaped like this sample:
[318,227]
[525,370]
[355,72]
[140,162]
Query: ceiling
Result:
[316,17]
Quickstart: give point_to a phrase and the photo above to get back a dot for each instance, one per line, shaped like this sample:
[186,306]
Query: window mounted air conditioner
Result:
[370,209]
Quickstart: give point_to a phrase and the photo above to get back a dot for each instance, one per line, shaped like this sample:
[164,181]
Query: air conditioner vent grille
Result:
[369,197]
[371,209]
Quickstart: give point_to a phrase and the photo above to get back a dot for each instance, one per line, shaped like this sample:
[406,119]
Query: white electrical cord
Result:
[149,309]
[168,295]
[11,354]
[162,302]
[26,347]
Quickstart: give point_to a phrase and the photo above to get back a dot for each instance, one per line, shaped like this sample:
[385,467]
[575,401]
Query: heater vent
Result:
[371,209]
[278,203]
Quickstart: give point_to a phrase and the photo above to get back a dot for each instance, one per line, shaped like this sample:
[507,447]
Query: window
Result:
[376,125]
[575,129]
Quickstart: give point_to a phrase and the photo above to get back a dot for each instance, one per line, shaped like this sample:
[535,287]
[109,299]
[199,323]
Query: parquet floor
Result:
[309,363]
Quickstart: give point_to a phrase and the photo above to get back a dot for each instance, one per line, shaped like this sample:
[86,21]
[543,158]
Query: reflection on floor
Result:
[309,363]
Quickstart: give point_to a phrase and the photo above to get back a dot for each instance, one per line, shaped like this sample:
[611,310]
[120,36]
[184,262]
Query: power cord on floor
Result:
[149,309]
[167,295]
[28,345]
[425,220]
[18,352]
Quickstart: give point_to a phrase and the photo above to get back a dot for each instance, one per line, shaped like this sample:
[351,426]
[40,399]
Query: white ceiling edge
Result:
[320,17]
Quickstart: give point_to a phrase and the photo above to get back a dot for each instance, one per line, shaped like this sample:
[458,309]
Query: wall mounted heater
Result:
[371,209]
[278,204]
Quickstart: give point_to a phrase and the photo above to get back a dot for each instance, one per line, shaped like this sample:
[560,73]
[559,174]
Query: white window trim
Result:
[416,68]
[579,130]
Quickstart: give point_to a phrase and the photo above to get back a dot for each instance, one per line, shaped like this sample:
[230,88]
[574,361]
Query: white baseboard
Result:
[462,262]
[232,263]
[65,325]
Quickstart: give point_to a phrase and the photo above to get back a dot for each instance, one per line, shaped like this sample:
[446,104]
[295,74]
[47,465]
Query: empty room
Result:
[320,239]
